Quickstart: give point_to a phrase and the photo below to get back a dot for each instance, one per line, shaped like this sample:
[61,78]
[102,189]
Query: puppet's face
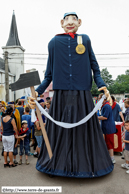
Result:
[70,23]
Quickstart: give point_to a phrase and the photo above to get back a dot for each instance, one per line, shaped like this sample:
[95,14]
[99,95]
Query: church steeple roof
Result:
[13,39]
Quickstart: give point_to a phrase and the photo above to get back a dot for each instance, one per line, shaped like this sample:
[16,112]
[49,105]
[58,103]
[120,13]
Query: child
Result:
[27,117]
[108,126]
[126,152]
[24,143]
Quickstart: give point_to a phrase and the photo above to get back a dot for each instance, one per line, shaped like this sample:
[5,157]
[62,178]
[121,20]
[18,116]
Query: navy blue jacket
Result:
[26,139]
[108,126]
[127,138]
[69,70]
[116,112]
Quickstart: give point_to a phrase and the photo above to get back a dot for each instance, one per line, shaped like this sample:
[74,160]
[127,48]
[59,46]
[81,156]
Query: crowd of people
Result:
[18,131]
[108,115]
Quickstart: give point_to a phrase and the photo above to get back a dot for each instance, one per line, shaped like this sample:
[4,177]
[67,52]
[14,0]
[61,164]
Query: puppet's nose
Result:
[70,21]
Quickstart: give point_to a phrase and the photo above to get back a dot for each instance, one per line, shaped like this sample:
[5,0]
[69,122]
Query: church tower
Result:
[15,54]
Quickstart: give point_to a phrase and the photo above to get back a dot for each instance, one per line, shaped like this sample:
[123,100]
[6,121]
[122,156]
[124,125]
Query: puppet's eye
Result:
[66,18]
[74,18]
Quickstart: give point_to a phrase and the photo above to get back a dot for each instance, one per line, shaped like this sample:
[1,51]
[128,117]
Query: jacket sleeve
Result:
[95,67]
[48,74]
[27,133]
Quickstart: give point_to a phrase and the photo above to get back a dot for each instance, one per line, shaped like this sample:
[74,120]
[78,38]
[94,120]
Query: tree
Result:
[127,72]
[94,89]
[121,84]
[107,78]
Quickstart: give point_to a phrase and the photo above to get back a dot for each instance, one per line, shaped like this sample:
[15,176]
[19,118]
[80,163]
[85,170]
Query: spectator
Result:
[48,104]
[0,116]
[116,110]
[126,102]
[122,106]
[3,111]
[40,99]
[8,128]
[48,98]
[108,126]
[27,117]
[38,135]
[24,143]
[20,108]
[15,149]
[0,106]
[126,152]
[13,116]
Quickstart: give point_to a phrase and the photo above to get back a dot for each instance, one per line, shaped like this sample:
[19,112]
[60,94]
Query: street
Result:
[27,175]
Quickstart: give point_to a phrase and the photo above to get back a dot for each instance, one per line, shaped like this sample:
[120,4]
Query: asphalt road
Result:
[116,182]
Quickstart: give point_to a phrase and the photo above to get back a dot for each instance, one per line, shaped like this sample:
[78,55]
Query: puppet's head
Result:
[70,22]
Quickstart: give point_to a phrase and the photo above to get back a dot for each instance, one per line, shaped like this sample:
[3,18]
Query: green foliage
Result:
[121,84]
[118,86]
[107,78]
[94,89]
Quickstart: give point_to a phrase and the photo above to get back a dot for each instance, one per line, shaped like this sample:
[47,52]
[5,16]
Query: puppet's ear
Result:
[62,22]
[79,22]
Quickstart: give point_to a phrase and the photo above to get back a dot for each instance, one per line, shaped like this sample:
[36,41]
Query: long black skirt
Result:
[78,152]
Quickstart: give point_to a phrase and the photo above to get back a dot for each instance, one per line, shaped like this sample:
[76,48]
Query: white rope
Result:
[67,125]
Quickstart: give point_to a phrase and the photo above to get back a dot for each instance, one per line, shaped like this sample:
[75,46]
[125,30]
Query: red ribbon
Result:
[106,103]
[22,132]
[70,34]
[113,106]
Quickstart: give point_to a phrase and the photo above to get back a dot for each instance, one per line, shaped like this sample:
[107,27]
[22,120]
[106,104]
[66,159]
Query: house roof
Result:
[13,39]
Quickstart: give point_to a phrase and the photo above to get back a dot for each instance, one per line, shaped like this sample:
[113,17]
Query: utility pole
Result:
[6,77]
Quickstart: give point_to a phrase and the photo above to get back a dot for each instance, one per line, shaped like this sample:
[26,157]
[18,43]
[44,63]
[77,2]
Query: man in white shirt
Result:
[122,106]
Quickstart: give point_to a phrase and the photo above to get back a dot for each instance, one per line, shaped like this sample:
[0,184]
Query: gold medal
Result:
[80,48]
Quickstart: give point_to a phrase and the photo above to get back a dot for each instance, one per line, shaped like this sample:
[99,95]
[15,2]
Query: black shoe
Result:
[36,155]
[12,165]
[122,157]
[5,165]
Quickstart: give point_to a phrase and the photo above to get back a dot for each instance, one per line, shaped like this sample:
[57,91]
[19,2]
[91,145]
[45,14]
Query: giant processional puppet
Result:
[80,150]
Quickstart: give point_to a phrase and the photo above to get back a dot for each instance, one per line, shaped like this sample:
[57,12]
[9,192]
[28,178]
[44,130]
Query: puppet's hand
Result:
[31,101]
[107,94]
